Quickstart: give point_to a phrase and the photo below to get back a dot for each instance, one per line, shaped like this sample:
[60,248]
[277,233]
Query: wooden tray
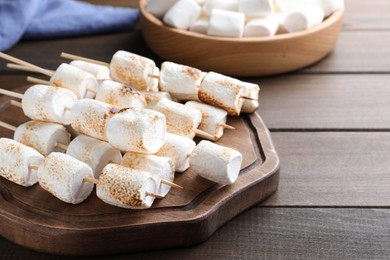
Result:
[35,219]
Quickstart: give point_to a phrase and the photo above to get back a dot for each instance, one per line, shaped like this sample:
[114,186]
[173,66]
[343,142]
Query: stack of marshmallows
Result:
[243,18]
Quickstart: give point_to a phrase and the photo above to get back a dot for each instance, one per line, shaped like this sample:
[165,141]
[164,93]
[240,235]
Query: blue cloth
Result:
[39,19]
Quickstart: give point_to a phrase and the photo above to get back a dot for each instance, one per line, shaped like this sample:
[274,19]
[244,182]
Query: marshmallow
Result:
[63,176]
[288,5]
[95,153]
[152,98]
[226,23]
[46,103]
[100,72]
[160,167]
[80,82]
[261,27]
[212,119]
[119,95]
[200,26]
[16,160]
[125,187]
[256,7]
[178,148]
[303,18]
[180,81]
[89,117]
[252,91]
[227,5]
[158,7]
[132,69]
[215,162]
[181,119]
[222,91]
[42,136]
[182,14]
[140,131]
[329,6]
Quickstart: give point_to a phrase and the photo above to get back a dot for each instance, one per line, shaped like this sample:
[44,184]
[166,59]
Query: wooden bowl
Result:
[241,56]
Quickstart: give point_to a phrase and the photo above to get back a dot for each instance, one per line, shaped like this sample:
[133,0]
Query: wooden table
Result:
[330,125]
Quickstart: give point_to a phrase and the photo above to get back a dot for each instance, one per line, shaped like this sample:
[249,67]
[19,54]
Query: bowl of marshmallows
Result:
[242,37]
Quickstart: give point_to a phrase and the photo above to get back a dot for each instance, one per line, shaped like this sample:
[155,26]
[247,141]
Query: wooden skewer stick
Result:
[8,126]
[227,126]
[19,67]
[75,57]
[38,81]
[91,180]
[200,132]
[62,146]
[24,63]
[16,104]
[154,76]
[152,194]
[248,98]
[174,185]
[11,93]
[33,167]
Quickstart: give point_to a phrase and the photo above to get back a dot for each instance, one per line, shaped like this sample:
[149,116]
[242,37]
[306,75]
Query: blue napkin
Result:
[38,19]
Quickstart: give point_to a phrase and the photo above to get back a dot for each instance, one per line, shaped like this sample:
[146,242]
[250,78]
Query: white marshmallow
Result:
[286,6]
[261,27]
[119,95]
[125,187]
[141,131]
[152,98]
[182,14]
[329,6]
[227,5]
[181,119]
[80,82]
[222,91]
[46,103]
[97,154]
[200,26]
[16,160]
[89,117]
[160,167]
[212,119]
[159,7]
[132,69]
[303,18]
[215,162]
[226,24]
[100,72]
[252,91]
[256,7]
[180,81]
[178,148]
[42,136]
[63,176]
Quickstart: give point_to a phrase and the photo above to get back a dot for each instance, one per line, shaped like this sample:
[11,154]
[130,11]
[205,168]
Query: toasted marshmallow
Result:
[131,69]
[178,148]
[180,81]
[125,187]
[158,8]
[152,98]
[212,119]
[89,117]
[42,136]
[45,103]
[303,18]
[16,160]
[100,72]
[80,82]
[182,14]
[160,167]
[223,163]
[119,95]
[252,91]
[256,7]
[222,91]
[261,27]
[134,130]
[181,119]
[227,5]
[226,23]
[63,176]
[200,26]
[95,153]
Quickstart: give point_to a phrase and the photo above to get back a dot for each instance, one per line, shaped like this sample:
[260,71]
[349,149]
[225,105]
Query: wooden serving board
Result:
[35,219]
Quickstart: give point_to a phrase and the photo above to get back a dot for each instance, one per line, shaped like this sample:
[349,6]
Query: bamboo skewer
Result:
[38,81]
[33,167]
[200,132]
[227,126]
[11,93]
[26,64]
[20,67]
[16,104]
[172,184]
[76,57]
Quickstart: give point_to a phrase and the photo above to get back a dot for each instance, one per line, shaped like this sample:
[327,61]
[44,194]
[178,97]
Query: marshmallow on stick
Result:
[100,72]
[95,153]
[223,163]
[182,14]
[45,103]
[252,91]
[19,162]
[63,176]
[152,98]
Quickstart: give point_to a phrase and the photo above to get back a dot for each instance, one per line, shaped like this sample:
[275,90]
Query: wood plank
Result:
[348,169]
[325,101]
[275,233]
